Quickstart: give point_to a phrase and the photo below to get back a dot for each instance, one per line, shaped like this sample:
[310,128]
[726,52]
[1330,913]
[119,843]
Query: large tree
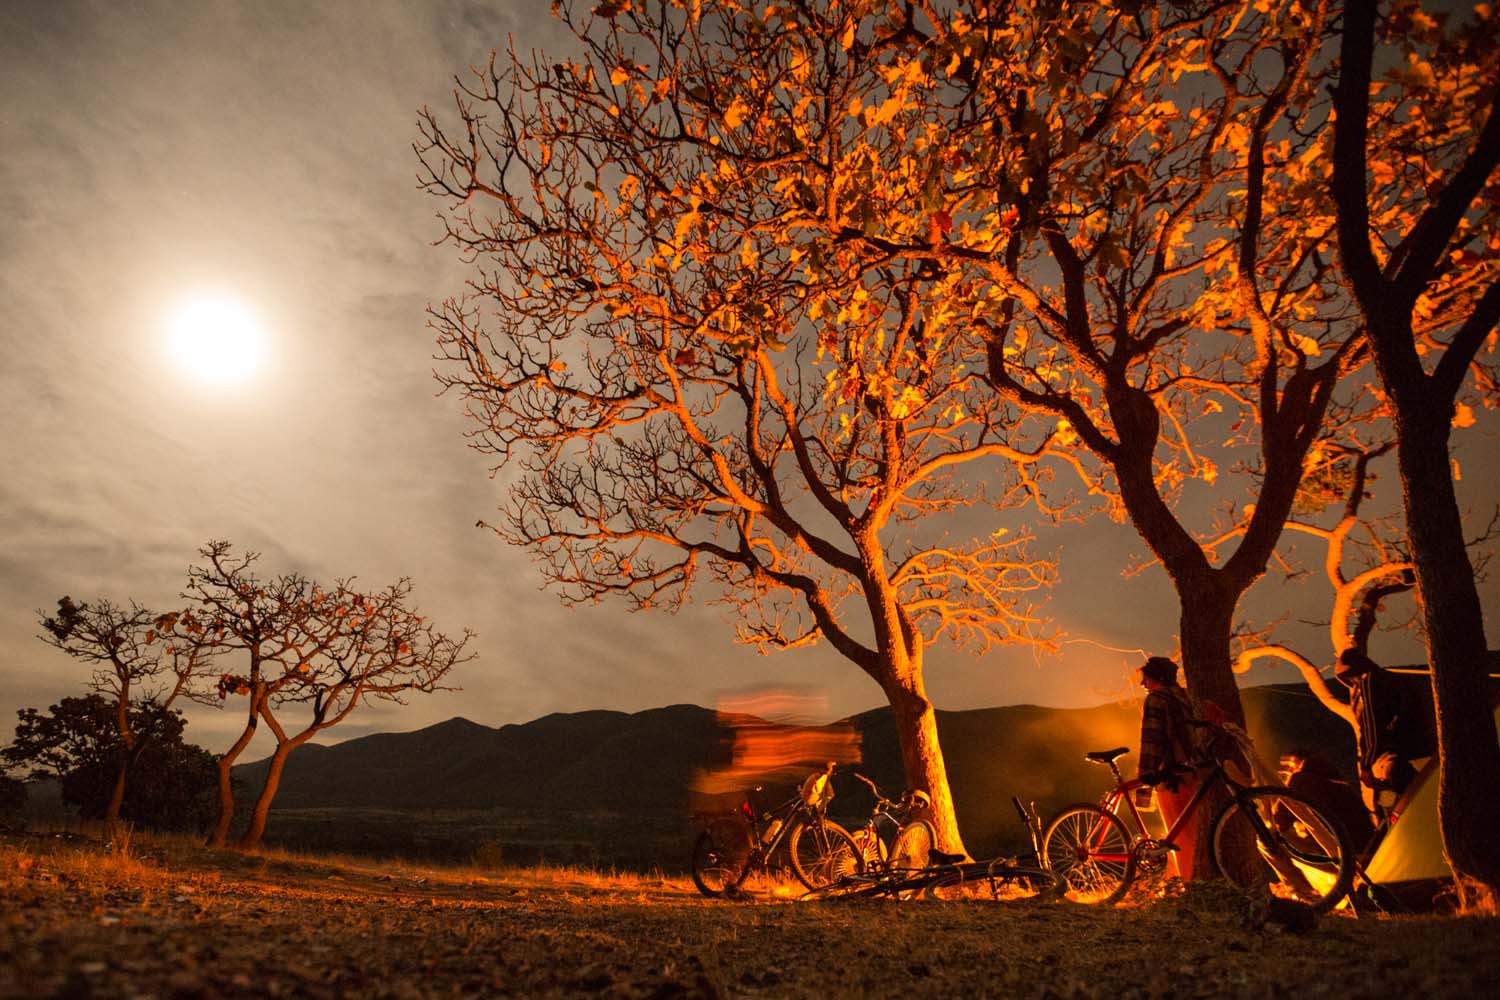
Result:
[1415,179]
[300,645]
[1125,191]
[695,382]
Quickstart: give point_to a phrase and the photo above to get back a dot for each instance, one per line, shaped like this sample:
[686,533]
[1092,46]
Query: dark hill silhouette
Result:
[639,769]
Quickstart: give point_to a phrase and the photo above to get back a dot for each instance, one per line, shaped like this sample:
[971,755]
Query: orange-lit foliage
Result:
[1416,181]
[1102,232]
[680,334]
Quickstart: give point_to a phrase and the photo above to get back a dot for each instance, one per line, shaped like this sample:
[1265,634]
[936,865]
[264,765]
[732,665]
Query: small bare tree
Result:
[129,649]
[265,620]
[360,648]
[331,650]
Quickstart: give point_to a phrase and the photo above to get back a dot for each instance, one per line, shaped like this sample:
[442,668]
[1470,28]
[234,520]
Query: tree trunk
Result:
[1468,809]
[127,744]
[922,757]
[1206,625]
[226,788]
[117,795]
[251,837]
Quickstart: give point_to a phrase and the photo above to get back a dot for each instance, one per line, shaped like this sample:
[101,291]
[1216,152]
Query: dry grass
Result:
[166,918]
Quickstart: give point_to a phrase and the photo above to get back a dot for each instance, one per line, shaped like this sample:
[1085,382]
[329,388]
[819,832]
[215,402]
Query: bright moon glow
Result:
[216,340]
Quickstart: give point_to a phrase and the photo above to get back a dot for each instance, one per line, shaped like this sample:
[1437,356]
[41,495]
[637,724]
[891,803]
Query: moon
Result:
[216,339]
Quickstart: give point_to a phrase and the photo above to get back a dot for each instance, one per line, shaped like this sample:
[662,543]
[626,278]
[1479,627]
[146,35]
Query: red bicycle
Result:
[1299,852]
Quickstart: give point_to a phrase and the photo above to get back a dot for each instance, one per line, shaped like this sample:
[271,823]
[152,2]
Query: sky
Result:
[155,152]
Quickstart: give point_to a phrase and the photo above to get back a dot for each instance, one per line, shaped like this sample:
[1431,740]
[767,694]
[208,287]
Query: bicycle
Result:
[734,844]
[907,840]
[1300,852]
[942,876]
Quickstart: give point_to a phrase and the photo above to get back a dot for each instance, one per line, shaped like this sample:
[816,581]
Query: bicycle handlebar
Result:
[881,802]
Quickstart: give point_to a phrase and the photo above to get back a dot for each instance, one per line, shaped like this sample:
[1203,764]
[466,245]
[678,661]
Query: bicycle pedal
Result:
[941,858]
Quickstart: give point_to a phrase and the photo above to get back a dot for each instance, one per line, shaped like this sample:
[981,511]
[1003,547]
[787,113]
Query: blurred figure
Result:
[1391,733]
[1169,748]
[772,741]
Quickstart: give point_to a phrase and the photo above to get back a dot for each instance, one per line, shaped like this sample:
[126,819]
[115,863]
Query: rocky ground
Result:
[80,919]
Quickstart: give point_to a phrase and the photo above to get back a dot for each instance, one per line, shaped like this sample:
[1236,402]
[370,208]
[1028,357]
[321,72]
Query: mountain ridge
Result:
[642,766]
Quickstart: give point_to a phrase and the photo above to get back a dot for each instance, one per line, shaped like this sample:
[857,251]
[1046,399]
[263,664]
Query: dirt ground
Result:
[78,919]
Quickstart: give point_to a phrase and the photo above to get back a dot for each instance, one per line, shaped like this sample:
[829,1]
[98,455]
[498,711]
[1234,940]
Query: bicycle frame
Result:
[893,815]
[1123,792]
[762,848]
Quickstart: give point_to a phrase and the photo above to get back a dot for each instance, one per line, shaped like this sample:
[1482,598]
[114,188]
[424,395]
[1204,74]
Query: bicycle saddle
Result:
[1106,756]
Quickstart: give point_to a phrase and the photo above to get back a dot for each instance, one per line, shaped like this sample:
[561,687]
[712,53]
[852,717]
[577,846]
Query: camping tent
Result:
[1408,866]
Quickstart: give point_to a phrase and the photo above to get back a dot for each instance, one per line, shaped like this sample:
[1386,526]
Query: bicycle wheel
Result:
[1088,849]
[823,852]
[717,862]
[1299,853]
[912,847]
[871,847]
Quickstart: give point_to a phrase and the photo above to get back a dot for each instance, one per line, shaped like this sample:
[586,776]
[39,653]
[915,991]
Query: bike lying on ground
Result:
[735,844]
[910,867]
[1299,851]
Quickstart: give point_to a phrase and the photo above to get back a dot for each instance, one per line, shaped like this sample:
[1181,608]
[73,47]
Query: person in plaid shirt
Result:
[1167,751]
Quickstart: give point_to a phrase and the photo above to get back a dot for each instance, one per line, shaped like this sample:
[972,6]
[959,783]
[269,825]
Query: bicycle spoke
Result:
[1089,851]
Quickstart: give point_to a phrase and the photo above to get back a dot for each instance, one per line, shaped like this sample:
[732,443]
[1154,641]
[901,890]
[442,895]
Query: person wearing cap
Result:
[1168,752]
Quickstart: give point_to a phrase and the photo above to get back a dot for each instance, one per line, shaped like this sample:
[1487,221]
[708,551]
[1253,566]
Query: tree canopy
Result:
[78,742]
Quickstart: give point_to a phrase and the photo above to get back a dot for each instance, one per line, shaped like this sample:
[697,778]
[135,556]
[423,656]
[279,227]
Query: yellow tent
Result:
[1409,865]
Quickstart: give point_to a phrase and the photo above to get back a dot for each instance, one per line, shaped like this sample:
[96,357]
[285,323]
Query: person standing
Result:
[1168,752]
[1392,731]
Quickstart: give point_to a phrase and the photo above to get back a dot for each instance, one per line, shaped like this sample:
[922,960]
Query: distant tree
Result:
[1117,211]
[1417,189]
[129,649]
[374,647]
[699,397]
[328,650]
[78,742]
[12,794]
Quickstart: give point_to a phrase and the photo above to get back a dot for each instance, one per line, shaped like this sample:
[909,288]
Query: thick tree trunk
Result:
[251,837]
[220,834]
[922,760]
[1468,808]
[1207,624]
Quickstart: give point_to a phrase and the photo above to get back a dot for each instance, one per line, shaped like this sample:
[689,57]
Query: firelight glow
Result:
[216,340]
